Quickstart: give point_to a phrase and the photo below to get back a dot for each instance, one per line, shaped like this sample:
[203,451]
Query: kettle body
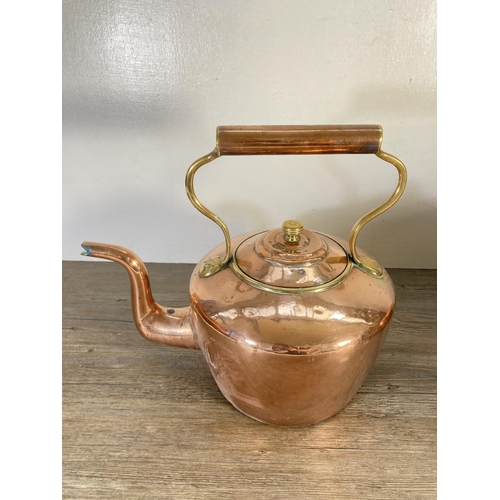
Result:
[290,359]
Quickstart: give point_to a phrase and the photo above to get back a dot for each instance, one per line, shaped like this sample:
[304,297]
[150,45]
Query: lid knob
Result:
[292,229]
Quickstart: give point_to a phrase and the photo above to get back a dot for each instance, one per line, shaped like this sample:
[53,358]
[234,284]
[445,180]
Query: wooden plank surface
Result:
[144,421]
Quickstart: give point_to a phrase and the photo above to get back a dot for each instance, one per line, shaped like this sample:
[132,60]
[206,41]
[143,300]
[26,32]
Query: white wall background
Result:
[146,82]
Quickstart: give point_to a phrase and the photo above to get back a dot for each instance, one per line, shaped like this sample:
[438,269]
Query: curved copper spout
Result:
[154,322]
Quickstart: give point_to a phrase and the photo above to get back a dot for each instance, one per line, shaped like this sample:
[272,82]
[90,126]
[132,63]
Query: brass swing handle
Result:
[297,139]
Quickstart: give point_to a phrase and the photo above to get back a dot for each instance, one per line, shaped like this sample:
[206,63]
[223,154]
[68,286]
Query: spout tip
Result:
[87,251]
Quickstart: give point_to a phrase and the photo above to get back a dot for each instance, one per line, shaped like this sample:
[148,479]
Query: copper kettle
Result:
[289,320]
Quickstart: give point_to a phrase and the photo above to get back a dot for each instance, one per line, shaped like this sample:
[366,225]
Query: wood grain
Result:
[144,421]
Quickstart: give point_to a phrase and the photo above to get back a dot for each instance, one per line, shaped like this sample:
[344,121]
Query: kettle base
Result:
[286,389]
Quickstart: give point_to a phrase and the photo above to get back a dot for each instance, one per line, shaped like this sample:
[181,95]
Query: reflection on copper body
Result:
[290,321]
[311,260]
[289,359]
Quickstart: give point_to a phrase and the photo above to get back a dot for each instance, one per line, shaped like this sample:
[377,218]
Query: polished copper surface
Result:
[282,387]
[355,309]
[281,359]
[298,139]
[156,323]
[312,260]
[290,359]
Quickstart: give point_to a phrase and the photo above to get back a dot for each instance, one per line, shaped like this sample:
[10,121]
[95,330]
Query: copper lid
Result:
[290,258]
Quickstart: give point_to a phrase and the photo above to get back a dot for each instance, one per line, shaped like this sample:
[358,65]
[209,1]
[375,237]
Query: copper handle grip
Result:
[299,139]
